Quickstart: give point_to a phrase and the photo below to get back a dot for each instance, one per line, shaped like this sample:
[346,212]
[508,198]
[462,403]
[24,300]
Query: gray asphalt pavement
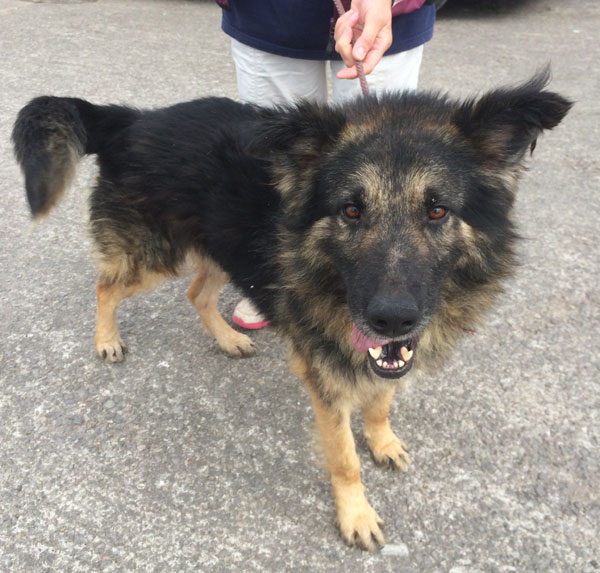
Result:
[180,459]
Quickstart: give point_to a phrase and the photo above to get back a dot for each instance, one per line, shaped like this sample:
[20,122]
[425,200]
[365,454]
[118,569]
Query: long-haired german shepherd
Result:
[370,234]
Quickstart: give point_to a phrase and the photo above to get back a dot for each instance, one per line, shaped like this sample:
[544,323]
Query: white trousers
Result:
[268,79]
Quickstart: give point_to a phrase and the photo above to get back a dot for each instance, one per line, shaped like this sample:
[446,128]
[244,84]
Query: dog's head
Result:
[405,201]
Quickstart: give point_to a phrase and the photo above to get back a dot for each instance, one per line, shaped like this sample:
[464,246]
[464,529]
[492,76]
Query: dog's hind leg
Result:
[387,449]
[109,345]
[204,295]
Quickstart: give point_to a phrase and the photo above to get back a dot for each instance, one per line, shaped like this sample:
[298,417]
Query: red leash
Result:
[364,86]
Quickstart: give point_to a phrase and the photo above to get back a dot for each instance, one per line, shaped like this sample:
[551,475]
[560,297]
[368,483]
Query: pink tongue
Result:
[362,343]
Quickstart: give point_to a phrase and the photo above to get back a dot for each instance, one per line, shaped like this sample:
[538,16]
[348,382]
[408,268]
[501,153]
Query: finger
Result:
[347,74]
[375,29]
[349,18]
[343,46]
[374,56]
[344,36]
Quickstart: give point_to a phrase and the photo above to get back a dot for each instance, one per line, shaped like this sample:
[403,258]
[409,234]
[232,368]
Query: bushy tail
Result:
[50,136]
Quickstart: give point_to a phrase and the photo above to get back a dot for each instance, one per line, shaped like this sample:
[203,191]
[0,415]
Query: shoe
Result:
[246,316]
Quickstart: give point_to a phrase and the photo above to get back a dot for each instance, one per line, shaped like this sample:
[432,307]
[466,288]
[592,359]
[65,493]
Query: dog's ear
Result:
[298,134]
[504,123]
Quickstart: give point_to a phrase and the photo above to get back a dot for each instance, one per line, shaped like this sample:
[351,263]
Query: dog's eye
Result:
[351,211]
[437,212]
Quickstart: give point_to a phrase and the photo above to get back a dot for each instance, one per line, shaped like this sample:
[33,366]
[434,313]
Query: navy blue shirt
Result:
[302,28]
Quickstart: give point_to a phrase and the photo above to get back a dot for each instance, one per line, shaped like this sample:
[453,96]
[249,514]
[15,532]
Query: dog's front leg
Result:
[359,523]
[387,449]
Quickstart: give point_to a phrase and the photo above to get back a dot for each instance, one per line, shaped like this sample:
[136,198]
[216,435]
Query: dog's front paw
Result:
[391,454]
[360,525]
[237,345]
[112,350]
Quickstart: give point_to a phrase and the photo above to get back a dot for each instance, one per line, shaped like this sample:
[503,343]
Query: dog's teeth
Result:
[379,363]
[375,352]
[400,363]
[406,353]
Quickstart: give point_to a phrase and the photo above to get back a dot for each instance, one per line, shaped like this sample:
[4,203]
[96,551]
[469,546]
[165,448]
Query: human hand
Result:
[363,34]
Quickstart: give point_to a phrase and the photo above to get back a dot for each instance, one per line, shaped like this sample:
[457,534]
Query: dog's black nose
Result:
[393,316]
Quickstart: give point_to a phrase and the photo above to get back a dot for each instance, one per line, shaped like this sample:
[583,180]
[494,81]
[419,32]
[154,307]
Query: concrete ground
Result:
[180,459]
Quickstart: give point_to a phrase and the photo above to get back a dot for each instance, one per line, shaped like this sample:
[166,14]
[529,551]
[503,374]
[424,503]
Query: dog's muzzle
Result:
[387,358]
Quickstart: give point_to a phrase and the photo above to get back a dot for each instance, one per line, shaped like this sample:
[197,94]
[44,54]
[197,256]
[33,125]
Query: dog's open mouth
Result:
[389,358]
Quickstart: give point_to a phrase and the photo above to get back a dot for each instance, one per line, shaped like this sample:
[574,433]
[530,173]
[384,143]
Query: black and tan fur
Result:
[383,223]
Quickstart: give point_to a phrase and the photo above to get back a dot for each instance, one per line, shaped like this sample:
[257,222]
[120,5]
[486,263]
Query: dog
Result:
[370,234]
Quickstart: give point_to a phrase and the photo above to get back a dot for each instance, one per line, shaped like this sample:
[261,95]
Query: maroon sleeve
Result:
[398,6]
[406,6]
